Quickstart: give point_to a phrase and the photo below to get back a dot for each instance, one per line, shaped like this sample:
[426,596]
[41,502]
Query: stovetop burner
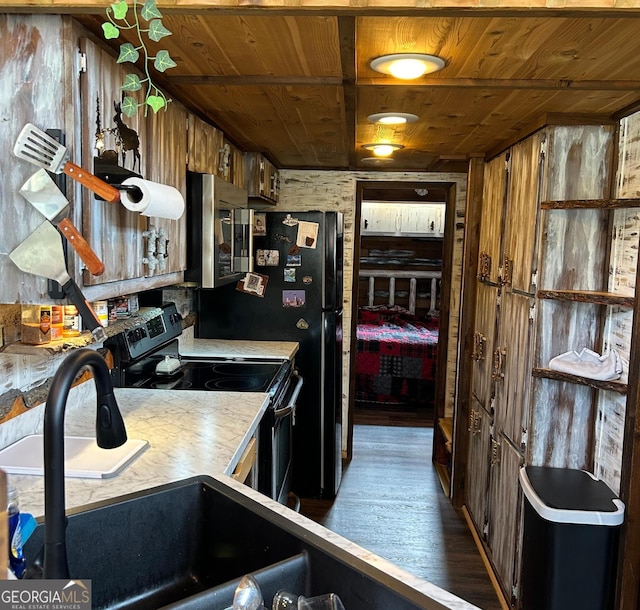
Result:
[206,374]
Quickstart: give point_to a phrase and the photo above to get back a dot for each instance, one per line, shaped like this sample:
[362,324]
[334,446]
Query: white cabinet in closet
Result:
[405,219]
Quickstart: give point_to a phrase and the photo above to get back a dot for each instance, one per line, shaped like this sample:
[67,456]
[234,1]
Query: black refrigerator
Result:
[294,294]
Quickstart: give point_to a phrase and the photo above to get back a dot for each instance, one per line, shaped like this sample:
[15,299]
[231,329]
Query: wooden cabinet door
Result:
[505,514]
[513,363]
[205,148]
[491,228]
[422,219]
[477,484]
[380,218]
[37,83]
[168,149]
[521,219]
[484,342]
[114,232]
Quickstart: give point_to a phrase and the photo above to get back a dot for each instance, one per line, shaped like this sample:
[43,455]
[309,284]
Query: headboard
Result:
[429,283]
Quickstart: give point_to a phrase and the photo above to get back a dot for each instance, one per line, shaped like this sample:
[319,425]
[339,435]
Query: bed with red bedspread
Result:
[396,356]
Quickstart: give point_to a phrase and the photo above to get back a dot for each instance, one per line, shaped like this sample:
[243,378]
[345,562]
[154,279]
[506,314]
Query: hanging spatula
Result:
[37,147]
[42,254]
[43,194]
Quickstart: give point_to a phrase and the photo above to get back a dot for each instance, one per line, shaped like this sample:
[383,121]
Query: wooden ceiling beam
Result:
[253,80]
[453,83]
[347,36]
[503,8]
[506,83]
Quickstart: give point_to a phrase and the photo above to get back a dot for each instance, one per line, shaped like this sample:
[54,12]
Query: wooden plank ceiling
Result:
[298,87]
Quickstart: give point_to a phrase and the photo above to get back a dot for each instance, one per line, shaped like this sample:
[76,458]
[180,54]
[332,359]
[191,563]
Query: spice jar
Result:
[71,321]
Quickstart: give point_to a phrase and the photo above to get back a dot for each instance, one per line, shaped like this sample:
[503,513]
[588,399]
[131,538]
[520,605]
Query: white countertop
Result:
[237,349]
[190,433]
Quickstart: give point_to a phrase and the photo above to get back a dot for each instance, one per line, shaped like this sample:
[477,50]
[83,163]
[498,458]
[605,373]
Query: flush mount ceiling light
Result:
[407,65]
[382,149]
[378,160]
[392,118]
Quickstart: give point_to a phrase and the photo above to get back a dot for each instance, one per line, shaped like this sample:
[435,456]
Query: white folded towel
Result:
[590,364]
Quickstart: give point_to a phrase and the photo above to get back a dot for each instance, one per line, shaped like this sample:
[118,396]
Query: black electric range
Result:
[146,356]
[139,353]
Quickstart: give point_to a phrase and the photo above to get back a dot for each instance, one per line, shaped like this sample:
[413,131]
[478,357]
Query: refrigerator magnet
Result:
[289,221]
[294,260]
[267,258]
[293,298]
[289,274]
[307,279]
[294,250]
[253,283]
[307,234]
[259,224]
[302,324]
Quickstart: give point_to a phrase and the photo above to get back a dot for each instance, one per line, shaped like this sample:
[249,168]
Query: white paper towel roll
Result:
[160,200]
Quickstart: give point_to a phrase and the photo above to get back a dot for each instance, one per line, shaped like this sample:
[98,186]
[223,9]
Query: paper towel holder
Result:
[115,175]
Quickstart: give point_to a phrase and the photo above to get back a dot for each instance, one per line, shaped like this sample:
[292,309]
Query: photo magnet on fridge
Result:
[267,258]
[294,260]
[289,274]
[307,234]
[253,283]
[259,224]
[293,298]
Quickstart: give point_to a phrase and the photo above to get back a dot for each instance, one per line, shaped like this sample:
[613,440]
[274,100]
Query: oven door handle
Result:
[281,412]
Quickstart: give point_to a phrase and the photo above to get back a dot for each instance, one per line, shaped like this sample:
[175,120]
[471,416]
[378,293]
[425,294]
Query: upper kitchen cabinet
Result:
[116,146]
[262,180]
[209,152]
[402,219]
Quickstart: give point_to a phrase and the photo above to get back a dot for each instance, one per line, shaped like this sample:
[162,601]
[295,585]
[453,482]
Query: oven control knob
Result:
[137,333]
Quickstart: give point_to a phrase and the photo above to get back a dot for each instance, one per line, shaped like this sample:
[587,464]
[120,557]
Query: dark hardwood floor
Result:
[391,502]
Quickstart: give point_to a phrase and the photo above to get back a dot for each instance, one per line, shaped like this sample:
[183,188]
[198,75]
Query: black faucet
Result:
[110,433]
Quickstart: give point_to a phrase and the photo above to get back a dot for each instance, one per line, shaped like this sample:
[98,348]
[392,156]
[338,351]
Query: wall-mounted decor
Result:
[141,22]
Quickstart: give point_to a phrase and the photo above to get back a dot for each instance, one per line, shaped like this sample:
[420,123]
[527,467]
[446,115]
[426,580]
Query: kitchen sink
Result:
[187,544]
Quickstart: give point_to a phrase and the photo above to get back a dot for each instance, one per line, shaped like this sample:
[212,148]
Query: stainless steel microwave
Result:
[219,225]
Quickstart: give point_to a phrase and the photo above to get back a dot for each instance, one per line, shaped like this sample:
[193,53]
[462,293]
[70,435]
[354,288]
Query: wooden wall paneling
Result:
[114,232]
[167,146]
[511,405]
[572,250]
[505,506]
[521,220]
[609,438]
[486,325]
[36,74]
[579,162]
[563,432]
[478,464]
[491,227]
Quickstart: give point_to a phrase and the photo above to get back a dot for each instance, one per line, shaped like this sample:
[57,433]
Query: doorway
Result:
[384,372]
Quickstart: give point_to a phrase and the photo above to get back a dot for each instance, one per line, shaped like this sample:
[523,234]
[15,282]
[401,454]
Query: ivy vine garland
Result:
[119,20]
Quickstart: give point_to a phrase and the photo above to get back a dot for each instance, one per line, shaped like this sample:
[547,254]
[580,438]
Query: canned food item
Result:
[101,309]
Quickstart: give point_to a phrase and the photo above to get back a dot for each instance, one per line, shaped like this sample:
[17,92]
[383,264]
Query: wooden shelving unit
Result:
[613,386]
[587,296]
